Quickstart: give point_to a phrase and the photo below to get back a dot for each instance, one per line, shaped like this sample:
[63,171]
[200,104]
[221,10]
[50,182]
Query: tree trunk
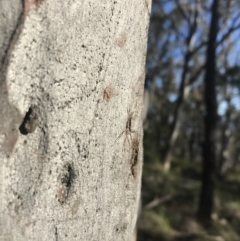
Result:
[71,89]
[175,126]
[208,175]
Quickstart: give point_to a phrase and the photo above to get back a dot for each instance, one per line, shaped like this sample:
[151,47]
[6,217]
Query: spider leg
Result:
[118,138]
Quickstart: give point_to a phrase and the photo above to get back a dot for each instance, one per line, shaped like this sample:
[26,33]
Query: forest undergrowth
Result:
[170,201]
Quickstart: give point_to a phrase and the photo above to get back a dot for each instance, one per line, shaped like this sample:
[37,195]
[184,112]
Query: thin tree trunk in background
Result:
[174,130]
[224,141]
[71,92]
[208,172]
[169,154]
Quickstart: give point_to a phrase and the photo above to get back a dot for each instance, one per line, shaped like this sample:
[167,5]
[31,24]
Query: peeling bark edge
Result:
[28,5]
[13,39]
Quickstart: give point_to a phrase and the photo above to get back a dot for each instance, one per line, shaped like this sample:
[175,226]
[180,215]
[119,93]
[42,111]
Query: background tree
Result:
[72,77]
[171,24]
[210,119]
[171,201]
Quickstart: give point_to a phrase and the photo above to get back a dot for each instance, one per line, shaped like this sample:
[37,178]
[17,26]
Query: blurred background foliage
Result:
[184,64]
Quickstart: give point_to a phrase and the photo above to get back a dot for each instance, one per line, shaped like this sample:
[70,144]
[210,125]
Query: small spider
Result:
[128,129]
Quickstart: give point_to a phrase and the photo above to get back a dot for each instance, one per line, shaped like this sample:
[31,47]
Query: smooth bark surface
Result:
[72,78]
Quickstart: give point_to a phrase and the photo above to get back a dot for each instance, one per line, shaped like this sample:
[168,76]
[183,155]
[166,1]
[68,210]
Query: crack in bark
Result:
[66,179]
[135,155]
[56,233]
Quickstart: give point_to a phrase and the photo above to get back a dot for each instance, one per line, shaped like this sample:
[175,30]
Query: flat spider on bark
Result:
[128,129]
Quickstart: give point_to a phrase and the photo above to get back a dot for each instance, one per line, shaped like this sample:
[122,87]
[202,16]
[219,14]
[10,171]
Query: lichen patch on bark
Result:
[108,93]
[122,39]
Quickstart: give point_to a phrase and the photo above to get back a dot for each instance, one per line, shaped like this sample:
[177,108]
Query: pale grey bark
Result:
[71,92]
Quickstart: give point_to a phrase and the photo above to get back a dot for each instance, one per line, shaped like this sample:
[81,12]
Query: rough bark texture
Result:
[209,156]
[72,78]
